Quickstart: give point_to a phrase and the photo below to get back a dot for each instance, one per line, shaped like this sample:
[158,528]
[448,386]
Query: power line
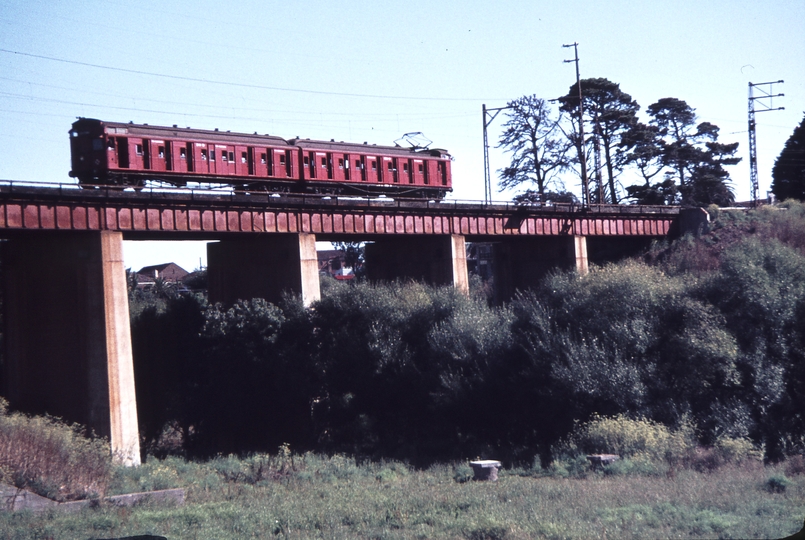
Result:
[377,116]
[228,83]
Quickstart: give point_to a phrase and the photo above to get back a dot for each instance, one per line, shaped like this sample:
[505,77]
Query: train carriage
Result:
[128,155]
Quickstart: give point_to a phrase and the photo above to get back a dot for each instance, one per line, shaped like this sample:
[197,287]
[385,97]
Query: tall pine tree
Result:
[789,170]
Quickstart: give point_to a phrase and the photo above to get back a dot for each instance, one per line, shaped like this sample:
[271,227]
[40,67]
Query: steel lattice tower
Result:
[767,94]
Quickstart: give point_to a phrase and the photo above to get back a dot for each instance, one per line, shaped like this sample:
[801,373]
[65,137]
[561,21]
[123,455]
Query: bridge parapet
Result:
[211,214]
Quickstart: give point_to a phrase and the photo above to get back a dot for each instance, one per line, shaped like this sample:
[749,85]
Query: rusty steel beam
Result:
[211,216]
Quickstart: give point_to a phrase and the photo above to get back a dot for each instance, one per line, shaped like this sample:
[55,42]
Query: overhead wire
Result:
[228,107]
[236,84]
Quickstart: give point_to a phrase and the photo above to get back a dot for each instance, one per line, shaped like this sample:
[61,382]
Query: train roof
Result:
[145,130]
[365,148]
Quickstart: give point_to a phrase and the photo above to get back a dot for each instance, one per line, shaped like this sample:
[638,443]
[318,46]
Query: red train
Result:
[127,155]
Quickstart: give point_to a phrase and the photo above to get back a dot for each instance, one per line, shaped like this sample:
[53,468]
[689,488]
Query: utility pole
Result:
[585,189]
[767,106]
[597,159]
[487,118]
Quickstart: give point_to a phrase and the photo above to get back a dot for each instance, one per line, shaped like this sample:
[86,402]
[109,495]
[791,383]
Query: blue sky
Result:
[371,71]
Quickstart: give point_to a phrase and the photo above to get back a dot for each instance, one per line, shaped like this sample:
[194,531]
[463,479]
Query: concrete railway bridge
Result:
[65,300]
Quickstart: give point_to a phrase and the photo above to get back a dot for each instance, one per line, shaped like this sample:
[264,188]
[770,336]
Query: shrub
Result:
[626,437]
[639,464]
[51,458]
[777,483]
[738,449]
[795,465]
[462,473]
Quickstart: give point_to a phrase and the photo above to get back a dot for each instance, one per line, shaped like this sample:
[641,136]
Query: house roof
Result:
[167,271]
[160,268]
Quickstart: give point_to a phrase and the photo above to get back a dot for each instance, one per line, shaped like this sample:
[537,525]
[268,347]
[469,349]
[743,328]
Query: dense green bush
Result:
[708,330]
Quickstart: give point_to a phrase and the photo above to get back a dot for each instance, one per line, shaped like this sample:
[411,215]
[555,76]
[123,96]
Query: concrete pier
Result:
[67,333]
[438,260]
[521,262]
[263,267]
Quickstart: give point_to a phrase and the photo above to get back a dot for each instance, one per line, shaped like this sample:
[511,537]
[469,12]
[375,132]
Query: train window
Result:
[204,155]
[97,144]
[405,167]
[307,161]
[340,163]
[374,165]
[182,153]
[282,159]
[390,166]
[110,144]
[138,149]
[231,156]
[323,162]
[212,155]
[243,157]
[263,158]
[421,168]
[161,151]
[223,156]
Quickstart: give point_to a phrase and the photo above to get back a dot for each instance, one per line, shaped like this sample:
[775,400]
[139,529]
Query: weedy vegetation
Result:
[287,495]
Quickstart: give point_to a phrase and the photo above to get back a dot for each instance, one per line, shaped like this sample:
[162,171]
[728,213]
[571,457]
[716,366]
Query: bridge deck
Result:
[198,214]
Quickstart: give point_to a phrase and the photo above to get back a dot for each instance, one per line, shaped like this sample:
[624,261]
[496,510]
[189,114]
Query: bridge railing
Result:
[63,191]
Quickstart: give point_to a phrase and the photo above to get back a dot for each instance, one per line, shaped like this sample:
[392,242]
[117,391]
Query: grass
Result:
[310,496]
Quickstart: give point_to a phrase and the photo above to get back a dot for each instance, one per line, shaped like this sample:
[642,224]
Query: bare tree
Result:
[537,145]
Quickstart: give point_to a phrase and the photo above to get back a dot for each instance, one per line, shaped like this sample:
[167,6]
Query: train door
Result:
[346,171]
[372,173]
[309,164]
[432,172]
[201,158]
[186,157]
[252,164]
[177,156]
[155,152]
[390,170]
[323,166]
[278,163]
[406,177]
[136,154]
[442,173]
[261,161]
[225,160]
[418,172]
[123,152]
[146,153]
[290,163]
[177,151]
[243,164]
[112,157]
[337,167]
[360,168]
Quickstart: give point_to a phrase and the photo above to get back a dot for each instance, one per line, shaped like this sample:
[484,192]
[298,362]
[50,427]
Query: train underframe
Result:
[142,181]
